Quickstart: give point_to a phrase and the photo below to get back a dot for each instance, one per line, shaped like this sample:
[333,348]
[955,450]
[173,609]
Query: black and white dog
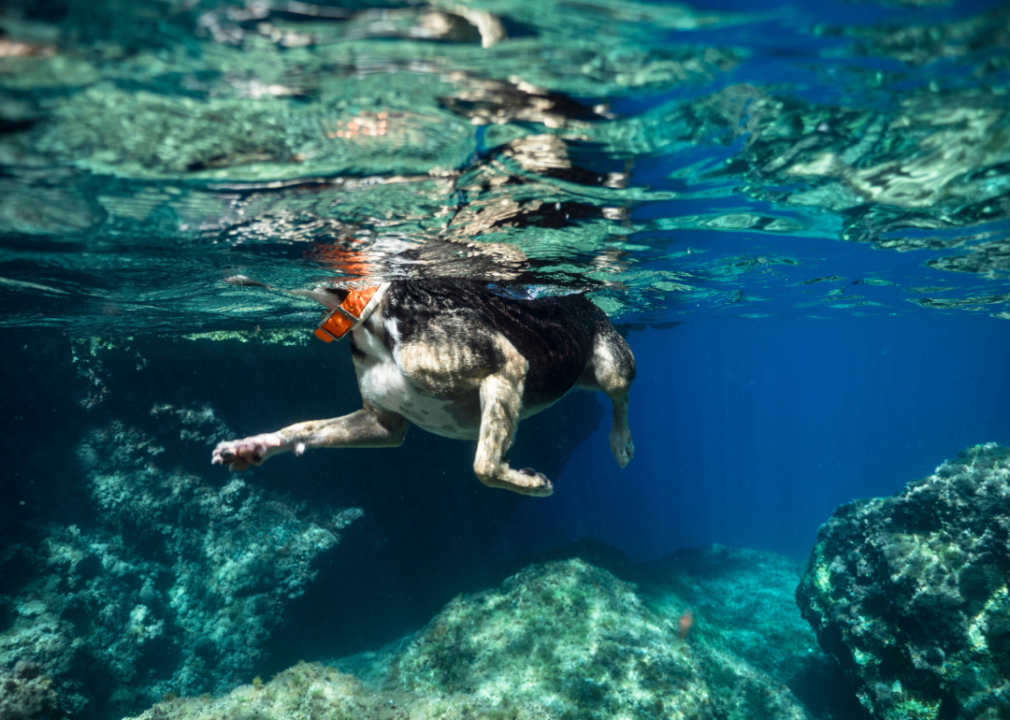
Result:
[466,359]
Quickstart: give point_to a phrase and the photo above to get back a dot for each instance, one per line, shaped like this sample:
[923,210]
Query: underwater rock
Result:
[909,593]
[130,568]
[311,690]
[743,606]
[25,694]
[563,639]
[743,602]
[576,642]
[173,585]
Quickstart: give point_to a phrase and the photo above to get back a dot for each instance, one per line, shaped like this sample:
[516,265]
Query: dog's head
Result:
[330,297]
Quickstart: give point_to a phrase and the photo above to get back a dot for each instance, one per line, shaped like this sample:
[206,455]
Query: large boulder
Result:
[582,643]
[563,639]
[909,593]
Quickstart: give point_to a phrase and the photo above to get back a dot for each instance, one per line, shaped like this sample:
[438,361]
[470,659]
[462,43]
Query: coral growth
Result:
[575,642]
[909,592]
[173,588]
[25,694]
[563,639]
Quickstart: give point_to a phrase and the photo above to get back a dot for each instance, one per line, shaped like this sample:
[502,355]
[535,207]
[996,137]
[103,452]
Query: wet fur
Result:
[467,360]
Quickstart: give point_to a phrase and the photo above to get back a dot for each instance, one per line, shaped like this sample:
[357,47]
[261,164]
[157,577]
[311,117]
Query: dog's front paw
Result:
[621,446]
[240,454]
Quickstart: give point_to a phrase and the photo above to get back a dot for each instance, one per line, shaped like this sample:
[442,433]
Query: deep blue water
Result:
[749,433]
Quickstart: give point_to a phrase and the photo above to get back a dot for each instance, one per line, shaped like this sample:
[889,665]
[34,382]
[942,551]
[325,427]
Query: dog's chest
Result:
[383,384]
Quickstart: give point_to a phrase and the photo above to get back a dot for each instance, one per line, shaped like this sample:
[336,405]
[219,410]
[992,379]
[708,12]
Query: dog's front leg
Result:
[500,400]
[368,427]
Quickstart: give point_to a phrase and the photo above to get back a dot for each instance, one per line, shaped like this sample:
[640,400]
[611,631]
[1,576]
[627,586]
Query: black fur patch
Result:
[554,334]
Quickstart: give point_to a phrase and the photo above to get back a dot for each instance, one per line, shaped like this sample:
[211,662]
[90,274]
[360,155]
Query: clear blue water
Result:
[750,433]
[799,214]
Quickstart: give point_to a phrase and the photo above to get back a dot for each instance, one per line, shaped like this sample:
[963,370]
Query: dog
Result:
[462,358]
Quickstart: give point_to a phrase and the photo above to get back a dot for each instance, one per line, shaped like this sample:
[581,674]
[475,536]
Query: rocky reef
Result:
[562,639]
[173,585]
[909,593]
[743,605]
[26,694]
[132,572]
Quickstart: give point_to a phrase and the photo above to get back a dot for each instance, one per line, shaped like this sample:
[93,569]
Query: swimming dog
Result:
[465,359]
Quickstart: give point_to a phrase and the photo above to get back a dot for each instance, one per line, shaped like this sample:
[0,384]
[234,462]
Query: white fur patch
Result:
[383,385]
[392,330]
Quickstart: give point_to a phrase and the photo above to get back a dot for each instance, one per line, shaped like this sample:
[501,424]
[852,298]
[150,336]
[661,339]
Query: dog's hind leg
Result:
[500,401]
[368,427]
[612,370]
[487,364]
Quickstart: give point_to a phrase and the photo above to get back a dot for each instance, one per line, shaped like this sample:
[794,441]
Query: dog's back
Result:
[555,334]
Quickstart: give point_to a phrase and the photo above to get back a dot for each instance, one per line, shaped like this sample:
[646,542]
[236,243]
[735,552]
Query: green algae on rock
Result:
[909,593]
[175,584]
[319,692]
[563,639]
[573,639]
[566,634]
[27,695]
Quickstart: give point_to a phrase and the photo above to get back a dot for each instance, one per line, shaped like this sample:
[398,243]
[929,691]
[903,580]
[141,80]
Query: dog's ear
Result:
[338,295]
[330,297]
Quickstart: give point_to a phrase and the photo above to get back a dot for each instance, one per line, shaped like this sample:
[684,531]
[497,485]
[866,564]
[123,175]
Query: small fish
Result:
[685,623]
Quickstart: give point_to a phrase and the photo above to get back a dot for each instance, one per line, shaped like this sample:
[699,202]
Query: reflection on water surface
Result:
[678,161]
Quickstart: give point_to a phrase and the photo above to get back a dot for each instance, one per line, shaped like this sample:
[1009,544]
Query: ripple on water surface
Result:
[676,161]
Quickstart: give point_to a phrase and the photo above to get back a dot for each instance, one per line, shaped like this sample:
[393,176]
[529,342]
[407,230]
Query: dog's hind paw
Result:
[530,482]
[621,446]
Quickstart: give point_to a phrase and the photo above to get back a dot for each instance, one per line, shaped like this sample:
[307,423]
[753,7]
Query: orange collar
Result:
[351,313]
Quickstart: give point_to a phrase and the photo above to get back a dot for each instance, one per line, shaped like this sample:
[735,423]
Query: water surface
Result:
[805,160]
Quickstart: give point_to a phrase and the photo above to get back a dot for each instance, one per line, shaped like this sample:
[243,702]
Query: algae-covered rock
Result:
[562,639]
[131,568]
[573,639]
[909,593]
[26,695]
[566,634]
[174,584]
[311,690]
